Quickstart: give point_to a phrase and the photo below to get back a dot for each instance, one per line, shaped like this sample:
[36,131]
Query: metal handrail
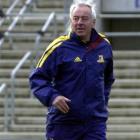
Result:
[12,25]
[51,18]
[2,87]
[13,78]
[9,10]
[6,111]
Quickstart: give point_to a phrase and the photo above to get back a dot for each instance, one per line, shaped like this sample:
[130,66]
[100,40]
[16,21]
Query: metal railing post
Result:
[13,83]
[6,110]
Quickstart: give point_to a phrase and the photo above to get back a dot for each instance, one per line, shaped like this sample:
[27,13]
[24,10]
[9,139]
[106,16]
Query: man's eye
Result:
[80,18]
[84,18]
[76,18]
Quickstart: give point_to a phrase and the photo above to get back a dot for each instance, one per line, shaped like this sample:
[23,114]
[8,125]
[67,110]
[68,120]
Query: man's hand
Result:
[60,102]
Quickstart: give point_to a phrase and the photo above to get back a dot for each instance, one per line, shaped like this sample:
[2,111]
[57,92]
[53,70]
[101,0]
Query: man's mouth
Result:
[80,29]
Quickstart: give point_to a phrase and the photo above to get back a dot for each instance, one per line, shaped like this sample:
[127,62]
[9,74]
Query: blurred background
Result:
[26,29]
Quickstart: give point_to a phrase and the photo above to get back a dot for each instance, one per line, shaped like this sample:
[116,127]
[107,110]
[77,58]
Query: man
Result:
[73,79]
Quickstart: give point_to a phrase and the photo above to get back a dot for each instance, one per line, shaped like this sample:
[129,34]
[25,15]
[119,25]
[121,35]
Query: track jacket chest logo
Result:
[77,59]
[100,59]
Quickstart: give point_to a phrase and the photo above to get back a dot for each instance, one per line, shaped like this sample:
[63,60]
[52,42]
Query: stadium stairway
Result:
[124,120]
[30,120]
[29,124]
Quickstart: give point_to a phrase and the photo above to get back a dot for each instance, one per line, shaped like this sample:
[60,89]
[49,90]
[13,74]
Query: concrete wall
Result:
[106,21]
[119,6]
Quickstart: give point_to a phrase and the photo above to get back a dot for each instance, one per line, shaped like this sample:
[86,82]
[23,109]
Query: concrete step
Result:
[28,37]
[22,135]
[12,54]
[18,54]
[52,3]
[123,128]
[40,2]
[27,111]
[6,73]
[20,82]
[20,92]
[1,127]
[25,103]
[8,63]
[40,5]
[38,18]
[125,102]
[27,128]
[127,83]
[127,112]
[39,9]
[127,73]
[124,120]
[133,63]
[1,120]
[125,93]
[123,135]
[31,120]
[126,54]
[23,45]
[34,18]
[33,28]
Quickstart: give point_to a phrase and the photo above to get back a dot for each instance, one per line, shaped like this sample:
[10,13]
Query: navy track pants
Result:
[91,130]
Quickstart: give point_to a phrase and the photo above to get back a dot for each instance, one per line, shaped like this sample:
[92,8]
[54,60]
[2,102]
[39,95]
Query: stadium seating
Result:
[29,121]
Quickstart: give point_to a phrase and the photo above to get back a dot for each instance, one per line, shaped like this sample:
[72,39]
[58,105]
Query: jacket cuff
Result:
[52,99]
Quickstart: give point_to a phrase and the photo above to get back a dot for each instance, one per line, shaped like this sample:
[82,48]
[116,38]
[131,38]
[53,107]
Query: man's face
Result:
[82,22]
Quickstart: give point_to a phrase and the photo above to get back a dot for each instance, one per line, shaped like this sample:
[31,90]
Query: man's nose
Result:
[80,21]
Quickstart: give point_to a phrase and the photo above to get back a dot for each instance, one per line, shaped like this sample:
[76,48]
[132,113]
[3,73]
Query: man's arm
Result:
[42,87]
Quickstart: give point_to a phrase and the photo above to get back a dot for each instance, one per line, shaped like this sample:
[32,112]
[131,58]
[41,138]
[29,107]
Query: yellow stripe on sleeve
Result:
[46,51]
[47,54]
[103,36]
[57,42]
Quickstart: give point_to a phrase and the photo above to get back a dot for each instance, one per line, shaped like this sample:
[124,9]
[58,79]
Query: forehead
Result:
[82,10]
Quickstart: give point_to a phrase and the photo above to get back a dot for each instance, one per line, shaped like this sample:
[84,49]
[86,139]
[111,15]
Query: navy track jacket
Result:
[80,71]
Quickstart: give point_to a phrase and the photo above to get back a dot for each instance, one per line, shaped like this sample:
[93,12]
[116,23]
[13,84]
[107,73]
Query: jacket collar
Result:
[93,37]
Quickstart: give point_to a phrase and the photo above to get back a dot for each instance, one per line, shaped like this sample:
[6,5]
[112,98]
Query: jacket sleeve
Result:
[41,80]
[108,76]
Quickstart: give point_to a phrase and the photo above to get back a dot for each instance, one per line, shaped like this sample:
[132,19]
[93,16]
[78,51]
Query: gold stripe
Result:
[61,38]
[45,52]
[41,62]
[107,40]
[51,48]
[54,43]
[103,36]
